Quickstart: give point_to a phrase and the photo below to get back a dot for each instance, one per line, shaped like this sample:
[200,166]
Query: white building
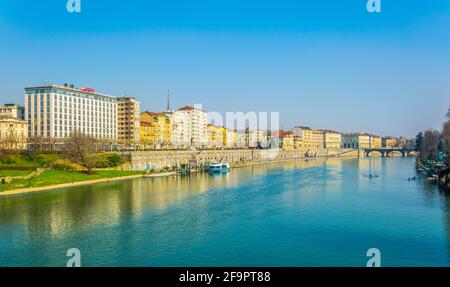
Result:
[332,139]
[256,138]
[53,112]
[231,138]
[189,128]
[240,139]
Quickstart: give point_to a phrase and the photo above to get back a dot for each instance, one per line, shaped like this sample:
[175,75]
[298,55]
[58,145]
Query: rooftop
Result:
[70,88]
[303,127]
[283,134]
[189,108]
[12,105]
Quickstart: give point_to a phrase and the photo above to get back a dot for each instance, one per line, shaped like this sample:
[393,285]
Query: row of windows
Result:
[62,93]
[66,132]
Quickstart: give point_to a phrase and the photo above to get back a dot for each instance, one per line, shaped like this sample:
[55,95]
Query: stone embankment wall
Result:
[167,158]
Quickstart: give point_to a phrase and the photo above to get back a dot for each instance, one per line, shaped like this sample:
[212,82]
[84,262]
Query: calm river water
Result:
[324,212]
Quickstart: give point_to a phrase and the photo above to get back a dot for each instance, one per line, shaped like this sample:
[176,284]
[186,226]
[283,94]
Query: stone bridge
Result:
[389,152]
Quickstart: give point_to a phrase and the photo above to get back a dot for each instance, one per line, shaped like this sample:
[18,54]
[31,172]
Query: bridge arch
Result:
[375,153]
[395,153]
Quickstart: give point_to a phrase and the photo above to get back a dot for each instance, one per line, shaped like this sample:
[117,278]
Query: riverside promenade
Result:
[157,159]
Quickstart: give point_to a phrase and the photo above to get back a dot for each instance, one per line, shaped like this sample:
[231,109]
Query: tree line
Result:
[434,145]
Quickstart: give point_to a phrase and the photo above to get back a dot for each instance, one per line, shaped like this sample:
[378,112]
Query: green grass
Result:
[52,177]
[22,159]
[43,158]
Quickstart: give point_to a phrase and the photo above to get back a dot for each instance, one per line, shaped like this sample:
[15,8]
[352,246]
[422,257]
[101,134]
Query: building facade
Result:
[306,136]
[147,132]
[217,137]
[332,140]
[389,142]
[231,139]
[13,110]
[155,130]
[53,112]
[13,133]
[317,140]
[286,140]
[240,138]
[189,128]
[255,138]
[128,121]
[356,140]
[375,142]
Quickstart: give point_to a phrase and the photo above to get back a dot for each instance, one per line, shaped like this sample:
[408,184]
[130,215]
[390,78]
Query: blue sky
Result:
[325,64]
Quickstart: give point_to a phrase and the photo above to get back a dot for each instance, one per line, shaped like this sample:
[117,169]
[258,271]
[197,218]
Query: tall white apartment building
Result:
[54,111]
[189,128]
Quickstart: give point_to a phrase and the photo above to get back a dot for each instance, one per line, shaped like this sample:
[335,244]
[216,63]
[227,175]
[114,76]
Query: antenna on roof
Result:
[168,101]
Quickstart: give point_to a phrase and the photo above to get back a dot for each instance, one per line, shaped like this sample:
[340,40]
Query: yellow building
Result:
[217,136]
[156,130]
[147,132]
[287,140]
[389,142]
[375,142]
[13,133]
[306,135]
[297,142]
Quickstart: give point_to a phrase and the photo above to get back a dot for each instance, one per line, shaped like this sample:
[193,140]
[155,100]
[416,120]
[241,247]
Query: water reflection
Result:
[59,211]
[307,194]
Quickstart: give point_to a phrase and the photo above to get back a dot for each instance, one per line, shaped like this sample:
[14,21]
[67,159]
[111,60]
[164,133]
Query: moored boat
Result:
[218,167]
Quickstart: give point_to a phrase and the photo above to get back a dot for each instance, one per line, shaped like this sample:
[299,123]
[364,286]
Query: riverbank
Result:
[80,179]
[81,183]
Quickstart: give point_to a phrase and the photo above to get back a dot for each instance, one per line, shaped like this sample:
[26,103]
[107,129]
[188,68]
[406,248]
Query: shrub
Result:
[62,165]
[106,161]
[102,163]
[6,159]
[115,160]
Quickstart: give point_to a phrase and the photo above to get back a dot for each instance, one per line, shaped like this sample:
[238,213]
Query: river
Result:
[319,212]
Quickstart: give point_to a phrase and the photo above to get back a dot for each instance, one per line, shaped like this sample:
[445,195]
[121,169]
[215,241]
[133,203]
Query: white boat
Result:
[218,167]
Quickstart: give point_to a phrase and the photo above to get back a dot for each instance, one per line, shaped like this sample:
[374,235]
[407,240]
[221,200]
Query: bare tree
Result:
[430,144]
[446,138]
[80,148]
[35,143]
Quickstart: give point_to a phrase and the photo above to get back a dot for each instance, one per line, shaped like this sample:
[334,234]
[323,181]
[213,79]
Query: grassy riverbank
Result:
[54,177]
[58,170]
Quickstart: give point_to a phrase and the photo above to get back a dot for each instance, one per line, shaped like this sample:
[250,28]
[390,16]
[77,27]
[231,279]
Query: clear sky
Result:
[322,63]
